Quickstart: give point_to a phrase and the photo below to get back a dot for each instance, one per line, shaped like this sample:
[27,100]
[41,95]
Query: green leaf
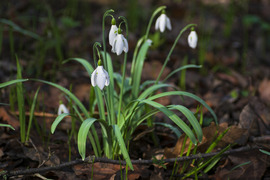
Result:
[182,93]
[82,134]
[7,125]
[20,98]
[19,29]
[191,118]
[122,145]
[12,82]
[31,115]
[57,121]
[179,122]
[136,76]
[265,152]
[182,68]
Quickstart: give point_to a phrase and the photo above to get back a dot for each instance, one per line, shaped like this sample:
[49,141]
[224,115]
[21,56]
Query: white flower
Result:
[112,34]
[100,77]
[62,109]
[120,44]
[192,39]
[162,22]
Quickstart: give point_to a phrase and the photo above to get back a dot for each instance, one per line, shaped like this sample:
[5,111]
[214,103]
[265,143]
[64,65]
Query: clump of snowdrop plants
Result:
[121,101]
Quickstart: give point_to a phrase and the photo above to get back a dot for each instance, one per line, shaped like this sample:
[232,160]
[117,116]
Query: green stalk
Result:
[123,73]
[169,55]
[109,95]
[107,13]
[20,97]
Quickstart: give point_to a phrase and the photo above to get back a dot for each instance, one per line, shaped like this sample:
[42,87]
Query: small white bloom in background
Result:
[163,22]
[192,39]
[120,44]
[62,109]
[100,77]
[113,32]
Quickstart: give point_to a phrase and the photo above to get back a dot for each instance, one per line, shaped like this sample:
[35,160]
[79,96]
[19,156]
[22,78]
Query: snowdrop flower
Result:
[113,32]
[192,39]
[100,77]
[62,109]
[120,43]
[163,22]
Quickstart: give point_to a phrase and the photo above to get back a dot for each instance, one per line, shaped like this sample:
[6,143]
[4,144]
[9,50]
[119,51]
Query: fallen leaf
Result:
[8,118]
[264,90]
[255,167]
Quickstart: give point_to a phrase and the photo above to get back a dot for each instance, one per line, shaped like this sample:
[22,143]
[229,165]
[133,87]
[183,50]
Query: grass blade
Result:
[180,123]
[57,121]
[12,82]
[7,125]
[31,115]
[182,93]
[122,145]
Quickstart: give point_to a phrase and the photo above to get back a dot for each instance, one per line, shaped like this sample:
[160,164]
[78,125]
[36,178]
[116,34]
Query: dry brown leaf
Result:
[254,170]
[9,119]
[264,90]
[255,117]
[107,171]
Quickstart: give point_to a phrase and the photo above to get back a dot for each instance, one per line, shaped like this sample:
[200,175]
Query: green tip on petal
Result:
[99,62]
[113,21]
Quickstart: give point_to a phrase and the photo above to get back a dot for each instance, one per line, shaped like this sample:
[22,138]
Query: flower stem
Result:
[174,44]
[123,74]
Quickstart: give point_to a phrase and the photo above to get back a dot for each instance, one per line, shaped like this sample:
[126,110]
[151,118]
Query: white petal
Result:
[192,39]
[162,22]
[119,44]
[168,23]
[107,81]
[62,109]
[101,77]
[114,45]
[112,34]
[93,78]
[125,45]
[157,23]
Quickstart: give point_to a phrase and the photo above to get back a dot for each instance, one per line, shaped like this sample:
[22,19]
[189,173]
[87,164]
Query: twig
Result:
[90,160]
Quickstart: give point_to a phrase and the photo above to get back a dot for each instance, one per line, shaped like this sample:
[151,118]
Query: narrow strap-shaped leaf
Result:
[6,125]
[179,122]
[136,76]
[182,93]
[182,68]
[122,145]
[57,121]
[12,82]
[31,114]
[191,118]
[82,134]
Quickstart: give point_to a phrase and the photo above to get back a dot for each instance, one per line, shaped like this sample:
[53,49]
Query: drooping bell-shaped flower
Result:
[113,32]
[62,109]
[192,39]
[163,22]
[120,43]
[100,77]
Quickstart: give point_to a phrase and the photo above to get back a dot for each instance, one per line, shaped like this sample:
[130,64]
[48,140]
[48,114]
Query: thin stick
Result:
[92,159]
